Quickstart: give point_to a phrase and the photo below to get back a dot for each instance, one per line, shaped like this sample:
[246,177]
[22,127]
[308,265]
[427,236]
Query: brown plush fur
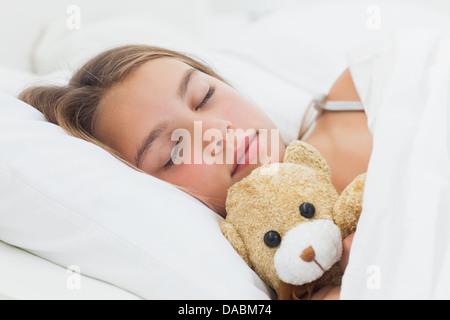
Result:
[269,199]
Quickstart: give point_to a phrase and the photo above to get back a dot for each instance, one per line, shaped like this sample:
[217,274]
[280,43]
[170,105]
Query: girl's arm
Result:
[344,89]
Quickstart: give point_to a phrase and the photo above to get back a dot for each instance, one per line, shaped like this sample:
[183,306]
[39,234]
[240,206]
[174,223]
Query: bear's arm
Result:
[348,208]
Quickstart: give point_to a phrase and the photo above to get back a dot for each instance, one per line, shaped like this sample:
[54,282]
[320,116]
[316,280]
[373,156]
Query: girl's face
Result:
[166,96]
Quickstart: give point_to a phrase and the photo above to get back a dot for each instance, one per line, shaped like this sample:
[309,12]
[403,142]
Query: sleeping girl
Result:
[132,99]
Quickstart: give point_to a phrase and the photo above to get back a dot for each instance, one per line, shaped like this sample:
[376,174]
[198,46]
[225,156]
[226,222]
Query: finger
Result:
[327,293]
[334,294]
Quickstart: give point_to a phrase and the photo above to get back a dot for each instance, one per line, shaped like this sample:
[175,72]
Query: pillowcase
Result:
[72,203]
[61,48]
[27,277]
[13,81]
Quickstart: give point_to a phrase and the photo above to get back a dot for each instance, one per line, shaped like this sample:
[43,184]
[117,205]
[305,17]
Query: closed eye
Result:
[170,163]
[208,96]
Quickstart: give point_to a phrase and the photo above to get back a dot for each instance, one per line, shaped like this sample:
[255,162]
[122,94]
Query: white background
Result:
[22,21]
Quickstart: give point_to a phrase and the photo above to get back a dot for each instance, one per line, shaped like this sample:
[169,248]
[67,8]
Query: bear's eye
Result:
[307,210]
[272,239]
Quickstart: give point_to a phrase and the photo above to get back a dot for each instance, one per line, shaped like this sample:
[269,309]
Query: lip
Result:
[245,153]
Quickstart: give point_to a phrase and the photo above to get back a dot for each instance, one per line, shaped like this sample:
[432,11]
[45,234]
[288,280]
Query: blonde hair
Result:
[74,107]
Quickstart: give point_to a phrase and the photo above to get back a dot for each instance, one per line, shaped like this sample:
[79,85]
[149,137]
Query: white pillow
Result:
[13,81]
[72,203]
[27,277]
[62,48]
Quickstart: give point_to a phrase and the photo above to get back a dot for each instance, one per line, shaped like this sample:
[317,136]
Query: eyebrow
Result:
[150,140]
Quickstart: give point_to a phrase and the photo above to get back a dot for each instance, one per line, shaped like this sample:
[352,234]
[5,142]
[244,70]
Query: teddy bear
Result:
[287,221]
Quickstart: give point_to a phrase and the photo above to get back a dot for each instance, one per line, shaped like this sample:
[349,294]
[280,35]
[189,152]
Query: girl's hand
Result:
[328,293]
[332,292]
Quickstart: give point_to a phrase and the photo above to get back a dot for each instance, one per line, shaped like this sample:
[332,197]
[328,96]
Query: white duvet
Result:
[402,246]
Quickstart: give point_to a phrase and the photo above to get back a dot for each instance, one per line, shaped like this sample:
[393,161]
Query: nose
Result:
[308,254]
[215,134]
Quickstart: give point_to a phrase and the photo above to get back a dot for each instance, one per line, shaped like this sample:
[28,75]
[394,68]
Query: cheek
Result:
[203,179]
[237,109]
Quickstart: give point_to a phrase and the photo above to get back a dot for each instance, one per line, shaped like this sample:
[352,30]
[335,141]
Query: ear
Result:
[235,239]
[299,152]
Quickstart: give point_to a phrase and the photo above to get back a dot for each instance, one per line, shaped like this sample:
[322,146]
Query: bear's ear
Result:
[235,239]
[299,152]
[349,206]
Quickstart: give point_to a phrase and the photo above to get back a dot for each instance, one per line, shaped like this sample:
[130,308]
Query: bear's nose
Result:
[308,254]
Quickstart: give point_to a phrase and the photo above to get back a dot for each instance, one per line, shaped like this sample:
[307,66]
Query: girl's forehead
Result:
[155,79]
[161,67]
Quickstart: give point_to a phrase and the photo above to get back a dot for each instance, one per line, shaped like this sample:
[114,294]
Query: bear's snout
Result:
[308,251]
[308,254]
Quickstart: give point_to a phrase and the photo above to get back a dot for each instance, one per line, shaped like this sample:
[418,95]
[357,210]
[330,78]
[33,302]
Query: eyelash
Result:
[208,96]
[170,163]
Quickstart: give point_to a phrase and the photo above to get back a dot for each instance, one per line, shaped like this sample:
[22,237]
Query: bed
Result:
[71,229]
